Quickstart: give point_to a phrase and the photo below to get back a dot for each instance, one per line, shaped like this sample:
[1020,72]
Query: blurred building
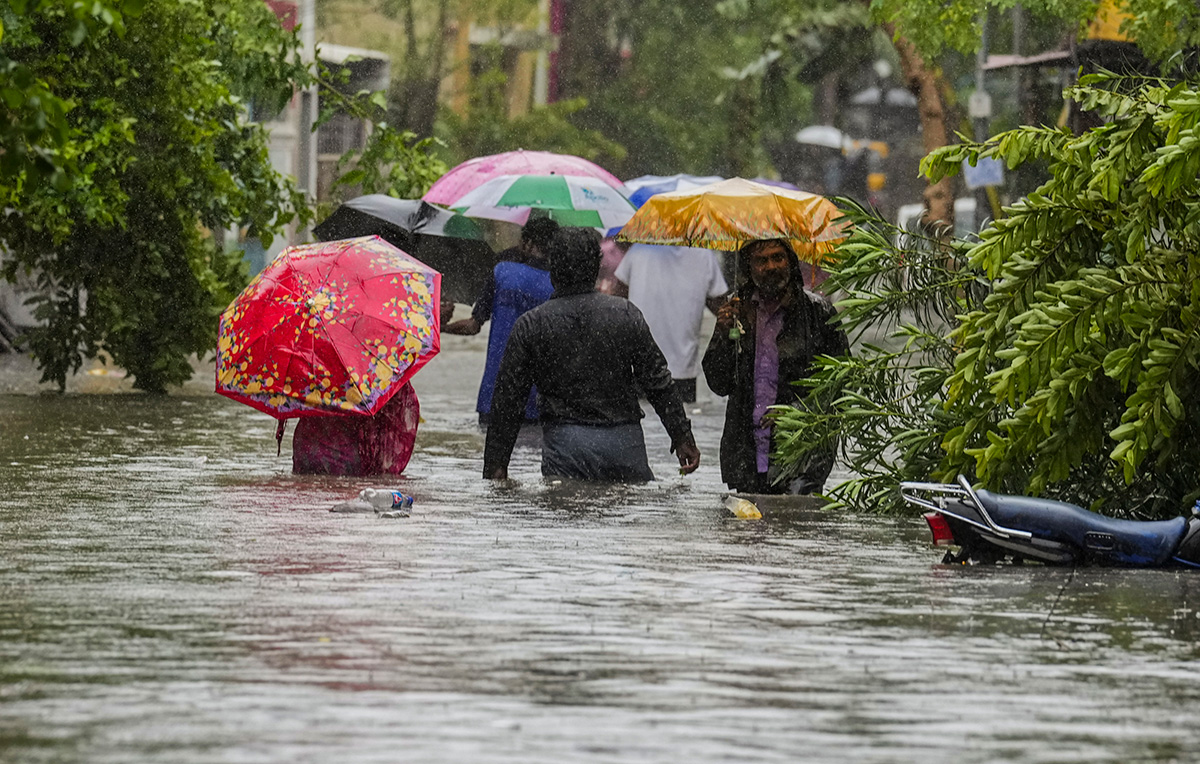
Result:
[367,70]
[525,53]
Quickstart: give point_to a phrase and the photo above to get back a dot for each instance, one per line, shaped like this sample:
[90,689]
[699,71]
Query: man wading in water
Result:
[589,355]
[785,328]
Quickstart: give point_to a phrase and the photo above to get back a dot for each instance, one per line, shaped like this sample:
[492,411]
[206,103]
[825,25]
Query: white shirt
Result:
[670,285]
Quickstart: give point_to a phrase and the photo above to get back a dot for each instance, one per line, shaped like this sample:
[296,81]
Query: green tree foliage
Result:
[650,71]
[1089,343]
[1063,353]
[392,161]
[416,35]
[1161,29]
[153,152]
[33,127]
[127,149]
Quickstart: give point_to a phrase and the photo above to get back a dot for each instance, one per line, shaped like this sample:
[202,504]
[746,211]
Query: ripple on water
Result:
[154,609]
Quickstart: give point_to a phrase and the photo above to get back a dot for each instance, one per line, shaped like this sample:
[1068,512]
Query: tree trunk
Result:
[925,83]
[586,61]
[413,96]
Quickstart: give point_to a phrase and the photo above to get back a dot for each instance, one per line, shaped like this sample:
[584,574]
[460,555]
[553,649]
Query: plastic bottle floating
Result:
[382,501]
[387,502]
[742,509]
[385,498]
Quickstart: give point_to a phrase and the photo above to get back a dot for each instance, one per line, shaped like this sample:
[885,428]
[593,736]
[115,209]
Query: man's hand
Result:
[446,310]
[466,326]
[689,457]
[728,314]
[499,473]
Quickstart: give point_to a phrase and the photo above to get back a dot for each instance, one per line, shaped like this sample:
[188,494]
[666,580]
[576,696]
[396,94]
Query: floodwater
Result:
[169,592]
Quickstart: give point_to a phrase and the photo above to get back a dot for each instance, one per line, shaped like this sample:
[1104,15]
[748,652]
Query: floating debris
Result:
[742,508]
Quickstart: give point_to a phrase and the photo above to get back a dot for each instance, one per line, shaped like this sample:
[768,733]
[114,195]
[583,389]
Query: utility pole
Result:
[306,161]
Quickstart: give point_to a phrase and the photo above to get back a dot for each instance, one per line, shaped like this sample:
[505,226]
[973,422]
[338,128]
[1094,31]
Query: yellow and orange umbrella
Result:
[729,214]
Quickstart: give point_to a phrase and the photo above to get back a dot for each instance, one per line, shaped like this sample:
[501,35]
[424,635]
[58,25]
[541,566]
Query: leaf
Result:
[351,178]
[79,33]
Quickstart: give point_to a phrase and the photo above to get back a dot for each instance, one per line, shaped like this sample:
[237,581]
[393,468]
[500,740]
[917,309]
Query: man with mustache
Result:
[779,328]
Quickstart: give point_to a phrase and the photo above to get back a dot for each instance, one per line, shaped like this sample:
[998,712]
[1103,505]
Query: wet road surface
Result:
[169,592]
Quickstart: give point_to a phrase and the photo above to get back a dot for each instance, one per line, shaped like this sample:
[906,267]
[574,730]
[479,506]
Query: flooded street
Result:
[170,592]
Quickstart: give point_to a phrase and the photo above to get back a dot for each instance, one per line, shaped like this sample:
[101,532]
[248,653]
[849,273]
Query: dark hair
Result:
[539,232]
[574,257]
[743,263]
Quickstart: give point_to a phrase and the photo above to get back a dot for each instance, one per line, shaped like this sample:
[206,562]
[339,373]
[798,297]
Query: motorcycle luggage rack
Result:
[963,489]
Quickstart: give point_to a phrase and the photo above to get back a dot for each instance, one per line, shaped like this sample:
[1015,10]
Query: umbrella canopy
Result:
[777,183]
[732,213]
[449,243]
[669,184]
[408,215]
[333,327]
[571,200]
[633,184]
[475,172]
[824,135]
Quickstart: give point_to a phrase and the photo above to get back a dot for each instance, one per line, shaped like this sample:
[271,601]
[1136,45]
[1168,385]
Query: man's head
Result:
[773,266]
[574,258]
[536,235]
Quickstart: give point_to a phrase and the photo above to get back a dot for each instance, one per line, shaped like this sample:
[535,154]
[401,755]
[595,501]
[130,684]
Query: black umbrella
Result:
[447,242]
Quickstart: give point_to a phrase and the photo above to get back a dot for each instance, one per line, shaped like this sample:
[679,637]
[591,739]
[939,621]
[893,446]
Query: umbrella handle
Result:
[279,436]
[736,331]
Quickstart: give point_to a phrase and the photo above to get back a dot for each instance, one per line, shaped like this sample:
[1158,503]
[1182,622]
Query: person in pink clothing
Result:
[359,445]
[612,252]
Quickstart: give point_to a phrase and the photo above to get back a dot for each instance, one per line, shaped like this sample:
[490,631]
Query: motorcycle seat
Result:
[1124,542]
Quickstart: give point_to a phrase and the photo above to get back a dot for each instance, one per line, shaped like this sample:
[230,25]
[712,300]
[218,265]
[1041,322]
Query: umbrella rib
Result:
[261,331]
[338,352]
[291,359]
[322,278]
[363,345]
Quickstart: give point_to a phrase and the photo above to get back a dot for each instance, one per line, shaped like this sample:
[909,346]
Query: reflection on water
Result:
[170,592]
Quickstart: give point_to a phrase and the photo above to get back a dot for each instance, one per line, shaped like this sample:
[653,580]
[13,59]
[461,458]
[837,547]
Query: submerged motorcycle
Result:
[990,528]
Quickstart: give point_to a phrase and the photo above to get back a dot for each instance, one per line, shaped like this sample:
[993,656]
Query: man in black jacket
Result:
[782,327]
[589,355]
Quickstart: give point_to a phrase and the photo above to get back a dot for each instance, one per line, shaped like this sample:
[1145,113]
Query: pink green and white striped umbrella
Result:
[475,172]
[571,200]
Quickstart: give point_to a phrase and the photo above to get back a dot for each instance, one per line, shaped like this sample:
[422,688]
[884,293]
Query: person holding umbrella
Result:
[766,338]
[331,333]
[770,332]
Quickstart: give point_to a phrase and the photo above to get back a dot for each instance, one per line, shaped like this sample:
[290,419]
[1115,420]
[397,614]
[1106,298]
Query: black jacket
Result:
[589,355]
[729,370]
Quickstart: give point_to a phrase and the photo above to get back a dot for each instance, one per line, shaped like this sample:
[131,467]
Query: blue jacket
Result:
[513,289]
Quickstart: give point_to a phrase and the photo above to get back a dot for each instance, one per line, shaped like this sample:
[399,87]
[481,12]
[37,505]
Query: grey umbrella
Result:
[445,241]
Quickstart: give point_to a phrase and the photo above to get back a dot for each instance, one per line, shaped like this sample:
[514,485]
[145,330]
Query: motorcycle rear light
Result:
[942,535]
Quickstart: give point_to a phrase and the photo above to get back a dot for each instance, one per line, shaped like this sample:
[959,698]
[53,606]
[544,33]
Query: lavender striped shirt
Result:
[766,372]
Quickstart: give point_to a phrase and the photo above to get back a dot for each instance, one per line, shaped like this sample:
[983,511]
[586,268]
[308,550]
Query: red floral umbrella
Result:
[331,327]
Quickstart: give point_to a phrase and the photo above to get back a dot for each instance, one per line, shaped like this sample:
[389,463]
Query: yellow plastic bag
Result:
[742,508]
